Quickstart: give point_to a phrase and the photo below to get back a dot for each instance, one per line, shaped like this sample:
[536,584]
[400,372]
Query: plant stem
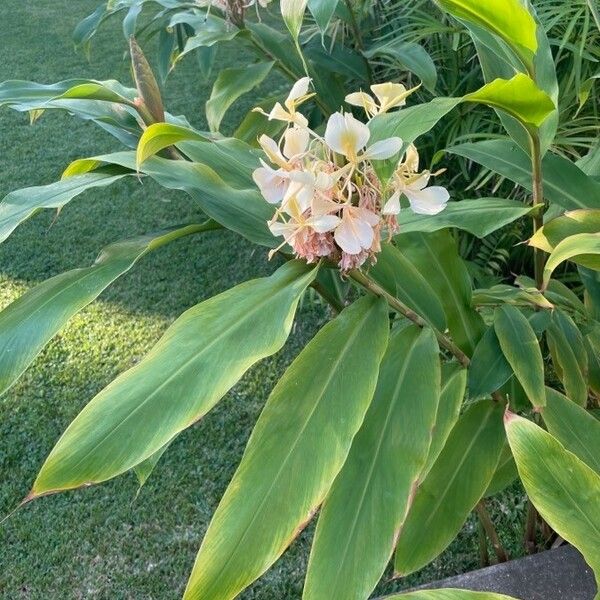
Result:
[410,314]
[488,526]
[530,529]
[537,197]
[484,557]
[354,24]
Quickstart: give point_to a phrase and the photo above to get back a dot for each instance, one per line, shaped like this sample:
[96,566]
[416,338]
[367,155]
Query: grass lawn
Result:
[102,542]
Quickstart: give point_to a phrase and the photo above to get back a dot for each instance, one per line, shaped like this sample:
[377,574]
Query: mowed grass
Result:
[104,542]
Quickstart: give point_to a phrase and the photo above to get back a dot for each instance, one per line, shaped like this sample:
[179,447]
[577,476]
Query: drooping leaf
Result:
[241,210]
[34,318]
[582,248]
[298,446]
[507,19]
[436,256]
[568,355]
[322,11]
[357,527]
[144,469]
[454,381]
[208,31]
[401,278]
[570,223]
[575,428]
[229,86]
[480,216]
[564,183]
[565,491]
[292,12]
[21,204]
[519,97]
[410,56]
[455,484]
[522,351]
[158,136]
[199,358]
[508,294]
[489,370]
[448,594]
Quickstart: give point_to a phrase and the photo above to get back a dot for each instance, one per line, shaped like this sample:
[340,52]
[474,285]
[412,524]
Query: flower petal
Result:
[271,184]
[299,89]
[295,142]
[383,149]
[363,100]
[271,149]
[346,135]
[346,238]
[429,201]
[324,223]
[392,206]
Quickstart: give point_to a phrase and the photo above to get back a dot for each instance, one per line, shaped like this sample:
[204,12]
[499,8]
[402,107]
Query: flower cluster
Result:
[330,200]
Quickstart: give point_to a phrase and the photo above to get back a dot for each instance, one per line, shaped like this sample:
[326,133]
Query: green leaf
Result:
[507,19]
[401,278]
[242,210]
[292,12]
[19,205]
[212,30]
[565,491]
[410,56]
[508,294]
[568,356]
[582,248]
[489,370]
[575,428]
[522,351]
[144,469]
[455,484]
[592,347]
[322,11]
[158,136]
[480,216]
[409,123]
[152,109]
[448,594]
[32,320]
[454,381]
[436,256]
[297,448]
[564,183]
[570,223]
[519,96]
[505,474]
[360,517]
[199,358]
[229,86]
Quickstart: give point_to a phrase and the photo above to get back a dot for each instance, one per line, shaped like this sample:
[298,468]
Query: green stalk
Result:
[537,197]
[490,530]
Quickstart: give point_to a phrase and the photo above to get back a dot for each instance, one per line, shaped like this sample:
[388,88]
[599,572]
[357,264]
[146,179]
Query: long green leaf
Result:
[32,320]
[241,210]
[162,135]
[507,19]
[436,256]
[199,358]
[480,216]
[522,351]
[565,491]
[568,355]
[359,520]
[322,11]
[575,428]
[489,370]
[21,204]
[564,183]
[506,472]
[448,594]
[229,86]
[578,248]
[519,97]
[570,223]
[401,278]
[298,446]
[454,381]
[455,484]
